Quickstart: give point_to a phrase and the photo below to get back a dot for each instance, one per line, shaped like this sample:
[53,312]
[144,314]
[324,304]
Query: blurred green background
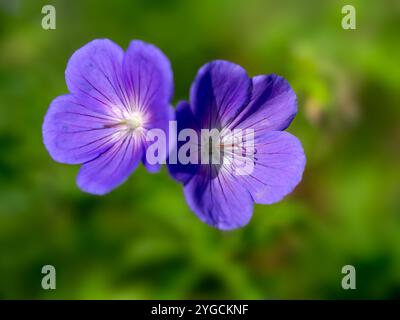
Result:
[141,241]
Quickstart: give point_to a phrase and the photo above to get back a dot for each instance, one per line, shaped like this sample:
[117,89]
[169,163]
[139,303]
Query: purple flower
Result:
[115,98]
[224,97]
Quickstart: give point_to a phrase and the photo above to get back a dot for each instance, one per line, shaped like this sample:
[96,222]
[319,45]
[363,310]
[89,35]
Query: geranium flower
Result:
[223,97]
[115,98]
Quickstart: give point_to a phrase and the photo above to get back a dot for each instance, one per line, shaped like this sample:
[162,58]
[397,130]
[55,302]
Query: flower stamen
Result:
[133,122]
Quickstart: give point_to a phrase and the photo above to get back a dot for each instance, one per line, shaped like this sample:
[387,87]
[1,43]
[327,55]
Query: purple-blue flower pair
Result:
[116,98]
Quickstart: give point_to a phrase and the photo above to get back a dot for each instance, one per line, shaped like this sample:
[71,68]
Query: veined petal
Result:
[148,79]
[111,168]
[77,130]
[279,166]
[95,70]
[219,93]
[272,107]
[222,202]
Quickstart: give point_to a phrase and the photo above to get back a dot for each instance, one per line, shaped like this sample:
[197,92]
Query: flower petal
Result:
[95,70]
[163,124]
[185,120]
[111,168]
[221,202]
[148,79]
[219,93]
[77,130]
[279,166]
[272,107]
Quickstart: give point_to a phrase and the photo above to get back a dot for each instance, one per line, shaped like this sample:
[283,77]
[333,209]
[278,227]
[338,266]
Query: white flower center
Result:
[134,121]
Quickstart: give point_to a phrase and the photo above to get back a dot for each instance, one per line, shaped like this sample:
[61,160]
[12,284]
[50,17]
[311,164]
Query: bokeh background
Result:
[141,241]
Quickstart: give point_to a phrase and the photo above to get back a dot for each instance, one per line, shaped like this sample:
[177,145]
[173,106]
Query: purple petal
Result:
[162,124]
[149,85]
[77,130]
[152,168]
[111,168]
[279,166]
[148,80]
[185,120]
[272,107]
[95,71]
[219,93]
[222,202]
